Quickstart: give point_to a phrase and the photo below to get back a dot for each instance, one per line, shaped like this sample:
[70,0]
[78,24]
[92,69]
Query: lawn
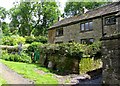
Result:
[2,81]
[30,71]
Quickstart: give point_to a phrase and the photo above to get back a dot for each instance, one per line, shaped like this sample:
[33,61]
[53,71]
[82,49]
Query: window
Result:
[59,32]
[86,26]
[87,41]
[82,27]
[71,41]
[58,42]
[110,20]
[90,25]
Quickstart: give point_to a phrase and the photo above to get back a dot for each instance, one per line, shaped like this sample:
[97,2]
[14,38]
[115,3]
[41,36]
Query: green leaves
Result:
[3,13]
[33,18]
[76,8]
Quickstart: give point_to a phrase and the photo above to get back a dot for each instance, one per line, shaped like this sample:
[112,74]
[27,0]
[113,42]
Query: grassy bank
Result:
[32,72]
[2,81]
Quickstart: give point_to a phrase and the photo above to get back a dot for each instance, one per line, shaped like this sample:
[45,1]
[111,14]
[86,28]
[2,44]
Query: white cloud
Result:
[7,3]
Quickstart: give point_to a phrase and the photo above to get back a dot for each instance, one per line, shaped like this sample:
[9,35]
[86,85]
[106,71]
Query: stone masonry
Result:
[111,59]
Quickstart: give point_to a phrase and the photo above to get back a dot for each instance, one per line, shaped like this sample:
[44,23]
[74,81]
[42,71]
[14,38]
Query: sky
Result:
[9,4]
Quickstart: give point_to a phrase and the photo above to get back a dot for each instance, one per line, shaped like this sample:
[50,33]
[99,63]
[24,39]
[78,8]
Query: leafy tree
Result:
[3,25]
[33,18]
[3,13]
[76,8]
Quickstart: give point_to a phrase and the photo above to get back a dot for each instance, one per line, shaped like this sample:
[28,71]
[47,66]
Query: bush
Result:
[13,40]
[93,49]
[30,39]
[16,58]
[41,39]
[68,49]
[89,64]
[65,54]
[33,47]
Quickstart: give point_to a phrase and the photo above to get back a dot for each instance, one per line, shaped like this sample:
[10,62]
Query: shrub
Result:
[93,49]
[67,49]
[15,57]
[65,54]
[41,39]
[33,47]
[89,64]
[30,39]
[13,40]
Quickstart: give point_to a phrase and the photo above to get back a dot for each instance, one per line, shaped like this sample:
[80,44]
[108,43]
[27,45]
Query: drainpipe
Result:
[102,27]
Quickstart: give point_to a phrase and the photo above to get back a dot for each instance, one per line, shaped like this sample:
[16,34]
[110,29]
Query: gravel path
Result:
[12,77]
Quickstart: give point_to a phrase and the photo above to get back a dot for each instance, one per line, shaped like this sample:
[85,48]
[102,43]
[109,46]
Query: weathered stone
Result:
[111,59]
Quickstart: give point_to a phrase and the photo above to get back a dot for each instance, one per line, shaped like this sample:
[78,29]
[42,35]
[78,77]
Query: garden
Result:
[66,58]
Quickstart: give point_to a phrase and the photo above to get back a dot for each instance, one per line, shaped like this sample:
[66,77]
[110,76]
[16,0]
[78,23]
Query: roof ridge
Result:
[90,14]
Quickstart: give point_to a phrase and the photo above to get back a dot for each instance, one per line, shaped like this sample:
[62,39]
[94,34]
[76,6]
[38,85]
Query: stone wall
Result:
[63,65]
[111,60]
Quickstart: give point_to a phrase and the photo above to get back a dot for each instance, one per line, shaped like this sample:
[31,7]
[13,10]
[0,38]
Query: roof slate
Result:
[110,8]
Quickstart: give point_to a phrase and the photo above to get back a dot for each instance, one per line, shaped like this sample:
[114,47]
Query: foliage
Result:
[3,25]
[33,18]
[2,81]
[30,39]
[76,8]
[3,13]
[15,57]
[89,64]
[31,71]
[41,39]
[64,55]
[93,49]
[72,49]
[13,40]
[33,47]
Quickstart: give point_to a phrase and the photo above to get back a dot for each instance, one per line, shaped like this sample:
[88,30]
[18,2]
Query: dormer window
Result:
[110,20]
[59,32]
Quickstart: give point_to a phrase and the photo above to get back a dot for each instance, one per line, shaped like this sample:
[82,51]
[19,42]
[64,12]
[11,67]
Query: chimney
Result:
[85,9]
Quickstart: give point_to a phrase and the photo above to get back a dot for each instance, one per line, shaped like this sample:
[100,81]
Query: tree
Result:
[3,25]
[76,8]
[33,18]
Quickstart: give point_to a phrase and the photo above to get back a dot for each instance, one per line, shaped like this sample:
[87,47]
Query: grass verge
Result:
[2,81]
[29,71]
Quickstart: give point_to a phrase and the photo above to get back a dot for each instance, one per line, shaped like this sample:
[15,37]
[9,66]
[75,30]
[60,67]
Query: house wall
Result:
[96,33]
[72,32]
[110,29]
[118,24]
[51,35]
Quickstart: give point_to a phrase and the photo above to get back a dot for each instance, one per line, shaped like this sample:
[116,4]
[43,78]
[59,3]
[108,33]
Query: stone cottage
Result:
[88,27]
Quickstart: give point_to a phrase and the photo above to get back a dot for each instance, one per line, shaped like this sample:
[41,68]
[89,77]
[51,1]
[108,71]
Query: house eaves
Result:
[102,11]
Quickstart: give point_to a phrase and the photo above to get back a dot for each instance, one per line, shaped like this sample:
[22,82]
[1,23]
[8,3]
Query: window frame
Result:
[87,41]
[110,18]
[88,29]
[58,33]
[58,42]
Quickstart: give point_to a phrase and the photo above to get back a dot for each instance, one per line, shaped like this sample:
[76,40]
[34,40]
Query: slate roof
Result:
[107,9]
